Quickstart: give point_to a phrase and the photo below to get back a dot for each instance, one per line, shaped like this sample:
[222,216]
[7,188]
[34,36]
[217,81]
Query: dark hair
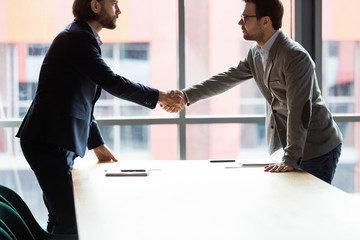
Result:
[272,8]
[82,10]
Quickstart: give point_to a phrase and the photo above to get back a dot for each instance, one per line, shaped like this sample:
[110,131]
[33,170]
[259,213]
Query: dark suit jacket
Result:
[70,82]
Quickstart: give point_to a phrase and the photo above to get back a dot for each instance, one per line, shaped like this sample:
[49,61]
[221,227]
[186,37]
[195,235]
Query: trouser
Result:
[324,166]
[52,166]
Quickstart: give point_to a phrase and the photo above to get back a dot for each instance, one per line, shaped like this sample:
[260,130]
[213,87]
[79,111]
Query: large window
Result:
[170,44]
[340,81]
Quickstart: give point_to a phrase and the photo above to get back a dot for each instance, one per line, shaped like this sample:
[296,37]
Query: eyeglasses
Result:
[245,17]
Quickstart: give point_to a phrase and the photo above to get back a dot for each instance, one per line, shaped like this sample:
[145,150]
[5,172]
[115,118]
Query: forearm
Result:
[218,84]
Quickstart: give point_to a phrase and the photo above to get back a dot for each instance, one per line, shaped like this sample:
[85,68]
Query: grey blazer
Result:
[297,118]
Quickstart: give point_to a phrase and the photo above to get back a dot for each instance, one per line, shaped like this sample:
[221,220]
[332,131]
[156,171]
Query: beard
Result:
[107,21]
[253,37]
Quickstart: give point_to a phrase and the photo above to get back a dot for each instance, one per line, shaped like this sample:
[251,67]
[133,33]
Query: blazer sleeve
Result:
[300,80]
[87,60]
[219,83]
[95,138]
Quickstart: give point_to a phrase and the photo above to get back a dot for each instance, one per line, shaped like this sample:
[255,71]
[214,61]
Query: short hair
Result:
[82,11]
[274,9]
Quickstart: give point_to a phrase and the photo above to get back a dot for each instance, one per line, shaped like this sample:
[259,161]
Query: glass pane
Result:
[143,48]
[214,42]
[141,142]
[341,55]
[235,141]
[340,78]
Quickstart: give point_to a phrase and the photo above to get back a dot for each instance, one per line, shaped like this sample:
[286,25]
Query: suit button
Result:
[274,111]
[272,127]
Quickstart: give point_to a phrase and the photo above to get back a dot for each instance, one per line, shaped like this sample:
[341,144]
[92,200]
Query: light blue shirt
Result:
[264,50]
[97,37]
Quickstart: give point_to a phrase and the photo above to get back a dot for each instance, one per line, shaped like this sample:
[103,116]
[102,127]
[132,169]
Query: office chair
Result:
[11,198]
[13,224]
[6,229]
[5,236]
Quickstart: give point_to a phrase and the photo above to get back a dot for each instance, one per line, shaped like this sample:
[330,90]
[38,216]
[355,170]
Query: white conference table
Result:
[198,200]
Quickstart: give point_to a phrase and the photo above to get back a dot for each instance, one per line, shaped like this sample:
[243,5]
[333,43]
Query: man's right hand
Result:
[172,101]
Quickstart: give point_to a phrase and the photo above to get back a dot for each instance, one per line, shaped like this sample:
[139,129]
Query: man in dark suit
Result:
[60,123]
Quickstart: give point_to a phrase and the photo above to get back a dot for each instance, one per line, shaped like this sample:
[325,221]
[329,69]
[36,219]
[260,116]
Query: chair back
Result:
[14,201]
[14,223]
[6,229]
[4,235]
[18,204]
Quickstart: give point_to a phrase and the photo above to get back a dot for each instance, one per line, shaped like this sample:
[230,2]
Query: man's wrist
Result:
[286,160]
[161,96]
[186,98]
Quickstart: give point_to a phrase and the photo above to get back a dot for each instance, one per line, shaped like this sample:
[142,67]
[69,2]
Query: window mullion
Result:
[181,77]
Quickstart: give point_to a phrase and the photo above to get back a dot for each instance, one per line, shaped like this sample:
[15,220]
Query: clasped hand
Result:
[172,101]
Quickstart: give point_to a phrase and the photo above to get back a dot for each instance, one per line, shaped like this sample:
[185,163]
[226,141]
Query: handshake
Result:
[172,101]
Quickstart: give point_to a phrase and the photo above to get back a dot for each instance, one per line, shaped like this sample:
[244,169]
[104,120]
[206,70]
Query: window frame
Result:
[311,40]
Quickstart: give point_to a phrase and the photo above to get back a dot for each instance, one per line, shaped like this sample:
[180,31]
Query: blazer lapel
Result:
[269,64]
[268,68]
[262,81]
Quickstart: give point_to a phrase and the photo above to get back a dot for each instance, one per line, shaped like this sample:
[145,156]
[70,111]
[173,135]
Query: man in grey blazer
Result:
[297,118]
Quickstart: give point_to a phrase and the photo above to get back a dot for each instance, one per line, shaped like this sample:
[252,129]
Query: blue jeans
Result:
[324,166]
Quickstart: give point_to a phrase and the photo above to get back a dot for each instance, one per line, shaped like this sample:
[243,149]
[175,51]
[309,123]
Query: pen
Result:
[133,170]
[221,160]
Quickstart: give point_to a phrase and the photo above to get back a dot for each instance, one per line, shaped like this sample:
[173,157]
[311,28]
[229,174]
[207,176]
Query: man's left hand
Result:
[279,167]
[104,154]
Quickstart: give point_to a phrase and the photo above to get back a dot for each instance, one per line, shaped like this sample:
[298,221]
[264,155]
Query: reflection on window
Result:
[107,50]
[141,142]
[234,141]
[137,51]
[134,137]
[27,90]
[37,49]
[129,60]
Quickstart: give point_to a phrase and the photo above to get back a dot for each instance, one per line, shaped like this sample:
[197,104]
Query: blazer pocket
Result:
[80,113]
